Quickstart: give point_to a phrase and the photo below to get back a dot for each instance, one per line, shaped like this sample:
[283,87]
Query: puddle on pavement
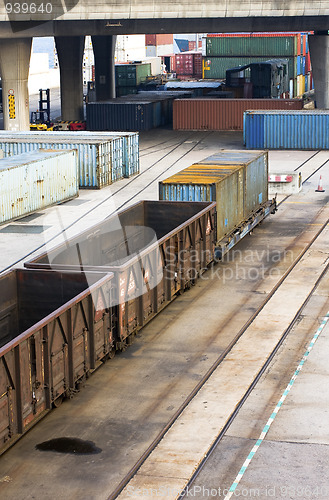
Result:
[69,445]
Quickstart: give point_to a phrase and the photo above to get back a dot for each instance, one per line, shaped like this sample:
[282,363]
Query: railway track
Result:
[170,167]
[126,480]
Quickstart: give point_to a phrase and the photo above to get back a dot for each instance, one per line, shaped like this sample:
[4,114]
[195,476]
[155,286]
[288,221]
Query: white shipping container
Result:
[35,180]
[151,51]
[127,160]
[164,50]
[100,161]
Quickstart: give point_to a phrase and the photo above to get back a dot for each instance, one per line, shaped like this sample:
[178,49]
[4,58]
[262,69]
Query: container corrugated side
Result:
[100,163]
[223,184]
[222,114]
[35,180]
[129,146]
[255,164]
[251,46]
[126,116]
[307,129]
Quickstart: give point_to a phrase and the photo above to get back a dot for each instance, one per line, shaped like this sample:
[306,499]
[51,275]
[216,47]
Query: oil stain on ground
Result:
[69,445]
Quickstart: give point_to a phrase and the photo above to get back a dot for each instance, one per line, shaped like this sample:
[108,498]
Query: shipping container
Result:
[307,129]
[255,46]
[138,113]
[255,165]
[99,162]
[35,180]
[222,114]
[236,180]
[265,34]
[54,329]
[150,39]
[189,63]
[216,67]
[161,39]
[155,249]
[131,75]
[130,144]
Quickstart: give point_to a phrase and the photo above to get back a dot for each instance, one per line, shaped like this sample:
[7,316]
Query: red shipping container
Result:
[184,64]
[222,114]
[164,39]
[189,63]
[150,40]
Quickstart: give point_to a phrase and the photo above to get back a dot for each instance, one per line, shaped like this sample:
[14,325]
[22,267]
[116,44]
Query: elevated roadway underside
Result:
[110,26]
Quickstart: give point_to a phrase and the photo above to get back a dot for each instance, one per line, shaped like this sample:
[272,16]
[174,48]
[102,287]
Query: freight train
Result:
[74,306]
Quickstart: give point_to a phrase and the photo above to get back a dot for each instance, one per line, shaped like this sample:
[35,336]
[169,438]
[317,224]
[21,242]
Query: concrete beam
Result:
[319,51]
[104,48]
[163,25]
[14,67]
[70,57]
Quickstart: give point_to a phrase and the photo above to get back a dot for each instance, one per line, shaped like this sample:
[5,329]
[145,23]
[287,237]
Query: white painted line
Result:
[276,410]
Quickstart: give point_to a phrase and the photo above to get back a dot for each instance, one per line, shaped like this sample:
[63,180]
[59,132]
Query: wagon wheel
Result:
[58,401]
[111,354]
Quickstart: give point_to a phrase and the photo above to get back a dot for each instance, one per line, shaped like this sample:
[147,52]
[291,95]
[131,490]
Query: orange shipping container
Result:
[222,114]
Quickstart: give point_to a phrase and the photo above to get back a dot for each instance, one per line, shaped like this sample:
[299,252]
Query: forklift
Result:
[40,119]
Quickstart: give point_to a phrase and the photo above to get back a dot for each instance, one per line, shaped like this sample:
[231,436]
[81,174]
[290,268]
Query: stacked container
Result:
[159,45]
[129,76]
[225,51]
[102,158]
[236,180]
[307,129]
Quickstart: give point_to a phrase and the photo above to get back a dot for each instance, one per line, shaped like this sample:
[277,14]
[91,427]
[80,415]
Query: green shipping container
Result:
[215,67]
[131,75]
[283,46]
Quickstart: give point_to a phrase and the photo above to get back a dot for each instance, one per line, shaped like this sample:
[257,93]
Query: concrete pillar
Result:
[104,48]
[15,56]
[319,52]
[70,57]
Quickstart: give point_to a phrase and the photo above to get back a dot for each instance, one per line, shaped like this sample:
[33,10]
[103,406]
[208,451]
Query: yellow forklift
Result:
[40,119]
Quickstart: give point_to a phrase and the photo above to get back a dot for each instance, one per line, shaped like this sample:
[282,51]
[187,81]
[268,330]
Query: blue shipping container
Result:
[306,129]
[299,65]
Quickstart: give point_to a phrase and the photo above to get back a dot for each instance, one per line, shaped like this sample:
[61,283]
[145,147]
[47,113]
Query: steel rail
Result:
[253,384]
[125,481]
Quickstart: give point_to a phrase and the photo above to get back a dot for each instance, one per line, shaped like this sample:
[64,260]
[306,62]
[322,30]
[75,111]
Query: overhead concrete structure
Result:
[104,48]
[319,51]
[14,66]
[70,56]
[161,16]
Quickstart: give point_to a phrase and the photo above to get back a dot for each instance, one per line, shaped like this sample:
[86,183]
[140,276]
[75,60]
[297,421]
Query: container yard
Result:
[209,307]
[164,271]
